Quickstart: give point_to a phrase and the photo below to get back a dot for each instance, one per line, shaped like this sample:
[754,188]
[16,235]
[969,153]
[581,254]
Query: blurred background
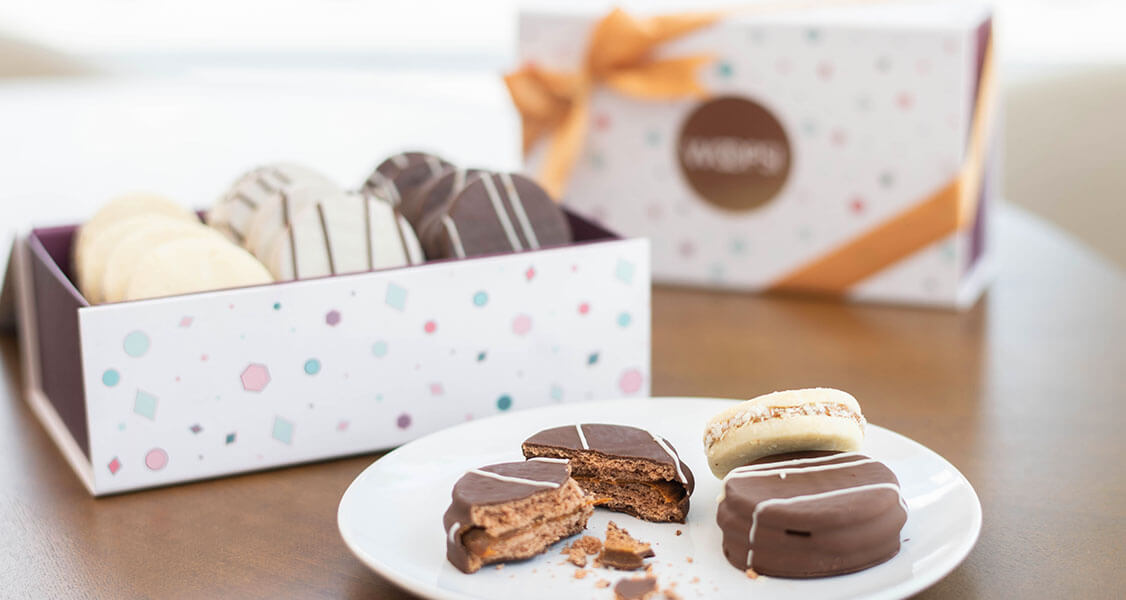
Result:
[102,96]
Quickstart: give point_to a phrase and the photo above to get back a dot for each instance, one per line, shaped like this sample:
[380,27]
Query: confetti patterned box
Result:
[841,150]
[149,393]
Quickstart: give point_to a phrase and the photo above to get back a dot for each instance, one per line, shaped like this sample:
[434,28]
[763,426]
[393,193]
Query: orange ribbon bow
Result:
[619,55]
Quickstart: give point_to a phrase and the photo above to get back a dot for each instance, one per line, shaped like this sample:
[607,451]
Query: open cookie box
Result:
[155,392]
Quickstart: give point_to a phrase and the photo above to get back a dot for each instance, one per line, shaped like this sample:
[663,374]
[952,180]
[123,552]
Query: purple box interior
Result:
[57,301]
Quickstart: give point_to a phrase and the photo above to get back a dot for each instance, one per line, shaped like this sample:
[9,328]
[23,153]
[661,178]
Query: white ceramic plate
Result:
[391,515]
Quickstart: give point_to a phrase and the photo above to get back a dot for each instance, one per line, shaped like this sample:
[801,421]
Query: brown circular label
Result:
[734,153]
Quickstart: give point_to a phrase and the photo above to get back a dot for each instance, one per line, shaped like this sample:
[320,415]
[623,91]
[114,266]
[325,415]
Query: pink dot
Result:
[436,389]
[156,459]
[332,318]
[203,357]
[430,327]
[630,381]
[584,308]
[601,122]
[687,249]
[825,70]
[904,100]
[856,205]
[522,324]
[342,426]
[838,137]
[403,421]
[530,273]
[654,212]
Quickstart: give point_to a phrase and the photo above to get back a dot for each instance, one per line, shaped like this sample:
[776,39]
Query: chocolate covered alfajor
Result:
[512,511]
[810,514]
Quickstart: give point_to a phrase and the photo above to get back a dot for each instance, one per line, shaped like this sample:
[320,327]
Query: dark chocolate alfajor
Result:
[496,214]
[628,469]
[512,511]
[811,514]
[401,175]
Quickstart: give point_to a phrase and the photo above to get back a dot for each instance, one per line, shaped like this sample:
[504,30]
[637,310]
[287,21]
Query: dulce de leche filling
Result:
[758,414]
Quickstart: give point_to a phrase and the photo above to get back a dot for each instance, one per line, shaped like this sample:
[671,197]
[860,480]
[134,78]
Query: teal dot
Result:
[111,377]
[624,319]
[480,298]
[504,402]
[136,344]
[653,137]
[813,35]
[596,160]
[379,348]
[277,306]
[723,69]
[481,356]
[312,366]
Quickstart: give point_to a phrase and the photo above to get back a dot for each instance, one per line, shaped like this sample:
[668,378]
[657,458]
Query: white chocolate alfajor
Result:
[787,421]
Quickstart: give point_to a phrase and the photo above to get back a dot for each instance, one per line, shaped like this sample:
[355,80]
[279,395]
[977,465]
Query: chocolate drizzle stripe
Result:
[502,213]
[561,461]
[241,197]
[675,459]
[453,530]
[434,164]
[518,208]
[328,241]
[582,436]
[400,160]
[455,237]
[282,176]
[289,231]
[498,477]
[796,461]
[783,472]
[808,497]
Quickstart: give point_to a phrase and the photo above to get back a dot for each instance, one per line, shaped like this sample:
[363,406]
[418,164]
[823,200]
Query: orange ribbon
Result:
[619,56]
[948,209]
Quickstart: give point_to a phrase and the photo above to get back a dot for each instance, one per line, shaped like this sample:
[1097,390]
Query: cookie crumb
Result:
[671,595]
[620,551]
[580,573]
[689,559]
[649,568]
[751,574]
[679,532]
[602,583]
[639,588]
[576,557]
[588,544]
[695,580]
[500,566]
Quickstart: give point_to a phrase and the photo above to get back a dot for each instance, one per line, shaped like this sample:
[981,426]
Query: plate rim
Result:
[900,590]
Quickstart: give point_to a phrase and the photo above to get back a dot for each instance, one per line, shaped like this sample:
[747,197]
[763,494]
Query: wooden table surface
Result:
[1025,393]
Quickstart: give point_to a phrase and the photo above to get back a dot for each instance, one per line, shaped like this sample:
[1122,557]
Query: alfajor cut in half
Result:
[787,421]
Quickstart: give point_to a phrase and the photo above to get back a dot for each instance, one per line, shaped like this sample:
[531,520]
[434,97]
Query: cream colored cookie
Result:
[194,265]
[343,233]
[135,244]
[233,212]
[789,421]
[88,263]
[274,212]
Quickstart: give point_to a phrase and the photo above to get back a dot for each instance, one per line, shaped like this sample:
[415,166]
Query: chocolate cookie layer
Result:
[628,469]
[811,514]
[512,511]
[497,214]
[401,175]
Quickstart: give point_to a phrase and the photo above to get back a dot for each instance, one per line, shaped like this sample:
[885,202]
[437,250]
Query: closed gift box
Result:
[155,392]
[844,149]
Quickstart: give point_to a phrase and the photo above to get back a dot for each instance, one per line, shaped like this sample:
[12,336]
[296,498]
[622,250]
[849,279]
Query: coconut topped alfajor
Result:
[787,421]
